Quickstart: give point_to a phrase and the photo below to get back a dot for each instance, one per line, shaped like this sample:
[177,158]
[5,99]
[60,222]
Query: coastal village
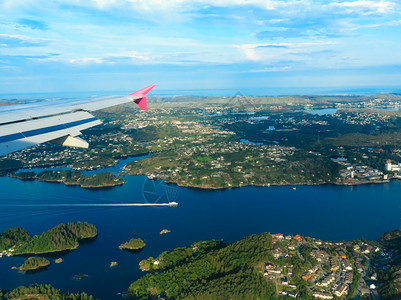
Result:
[333,269]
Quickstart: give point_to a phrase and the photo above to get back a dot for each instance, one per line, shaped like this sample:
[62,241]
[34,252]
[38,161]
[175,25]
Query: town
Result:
[212,142]
[333,269]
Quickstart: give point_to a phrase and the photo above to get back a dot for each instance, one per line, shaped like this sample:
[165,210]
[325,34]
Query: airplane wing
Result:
[59,122]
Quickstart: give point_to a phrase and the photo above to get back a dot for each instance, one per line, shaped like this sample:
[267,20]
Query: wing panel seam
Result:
[29,133]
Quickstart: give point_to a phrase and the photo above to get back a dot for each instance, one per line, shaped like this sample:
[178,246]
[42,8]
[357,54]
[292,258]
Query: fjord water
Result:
[328,212]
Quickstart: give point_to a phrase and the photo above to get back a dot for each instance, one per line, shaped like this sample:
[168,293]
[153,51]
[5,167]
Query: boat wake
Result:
[170,204]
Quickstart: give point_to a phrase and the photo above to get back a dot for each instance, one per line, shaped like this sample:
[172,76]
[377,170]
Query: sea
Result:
[327,212]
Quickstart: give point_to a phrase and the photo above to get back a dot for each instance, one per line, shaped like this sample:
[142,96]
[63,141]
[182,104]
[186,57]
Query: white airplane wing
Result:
[59,122]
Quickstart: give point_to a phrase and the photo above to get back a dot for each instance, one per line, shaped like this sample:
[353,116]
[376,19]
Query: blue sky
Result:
[120,45]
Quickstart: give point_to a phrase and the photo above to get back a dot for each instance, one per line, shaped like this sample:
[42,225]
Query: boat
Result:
[173,203]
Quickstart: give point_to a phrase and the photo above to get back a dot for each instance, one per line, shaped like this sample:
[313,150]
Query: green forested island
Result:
[17,241]
[272,266]
[42,292]
[72,178]
[133,244]
[34,263]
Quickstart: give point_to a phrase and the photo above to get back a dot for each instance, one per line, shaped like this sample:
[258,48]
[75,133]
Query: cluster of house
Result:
[330,277]
[272,272]
[7,253]
[364,173]
[362,118]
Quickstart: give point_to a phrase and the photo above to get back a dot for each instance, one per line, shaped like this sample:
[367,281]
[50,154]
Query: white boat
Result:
[173,203]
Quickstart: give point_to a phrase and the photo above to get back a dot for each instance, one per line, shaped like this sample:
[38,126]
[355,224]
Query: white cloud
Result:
[271,69]
[73,61]
[285,56]
[86,60]
[367,6]
[132,55]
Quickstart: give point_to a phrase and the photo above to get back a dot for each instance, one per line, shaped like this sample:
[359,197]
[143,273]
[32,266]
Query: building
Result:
[347,265]
[322,295]
[327,281]
[392,167]
[341,290]
[298,238]
[349,277]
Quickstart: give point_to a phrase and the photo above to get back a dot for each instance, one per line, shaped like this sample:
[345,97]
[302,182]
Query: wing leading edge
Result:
[59,122]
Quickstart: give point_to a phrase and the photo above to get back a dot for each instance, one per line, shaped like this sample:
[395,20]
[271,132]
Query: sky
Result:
[123,45]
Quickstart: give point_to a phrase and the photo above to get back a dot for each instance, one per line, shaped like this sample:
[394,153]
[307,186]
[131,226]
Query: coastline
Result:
[206,187]
[214,188]
[56,251]
[69,183]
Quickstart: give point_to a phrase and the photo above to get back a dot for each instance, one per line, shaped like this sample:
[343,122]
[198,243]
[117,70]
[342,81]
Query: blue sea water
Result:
[265,91]
[328,212]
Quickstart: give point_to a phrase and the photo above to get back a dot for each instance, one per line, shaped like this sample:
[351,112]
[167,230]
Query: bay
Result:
[327,212]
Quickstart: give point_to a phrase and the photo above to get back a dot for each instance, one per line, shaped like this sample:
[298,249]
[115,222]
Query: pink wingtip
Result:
[139,97]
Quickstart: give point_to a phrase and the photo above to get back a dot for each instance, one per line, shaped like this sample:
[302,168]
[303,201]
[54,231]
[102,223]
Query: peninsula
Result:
[271,266]
[72,178]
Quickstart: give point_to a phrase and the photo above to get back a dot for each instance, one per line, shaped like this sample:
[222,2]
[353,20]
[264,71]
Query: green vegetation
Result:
[196,141]
[259,267]
[72,178]
[354,285]
[253,165]
[9,165]
[13,237]
[59,238]
[42,292]
[204,158]
[209,270]
[389,269]
[133,244]
[34,263]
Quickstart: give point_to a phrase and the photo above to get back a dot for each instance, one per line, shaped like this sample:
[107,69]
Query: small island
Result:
[133,244]
[17,241]
[40,291]
[80,276]
[164,231]
[34,264]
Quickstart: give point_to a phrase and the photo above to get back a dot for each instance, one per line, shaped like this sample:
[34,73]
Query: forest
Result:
[209,270]
[59,238]
[38,291]
[34,263]
[72,178]
[133,244]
